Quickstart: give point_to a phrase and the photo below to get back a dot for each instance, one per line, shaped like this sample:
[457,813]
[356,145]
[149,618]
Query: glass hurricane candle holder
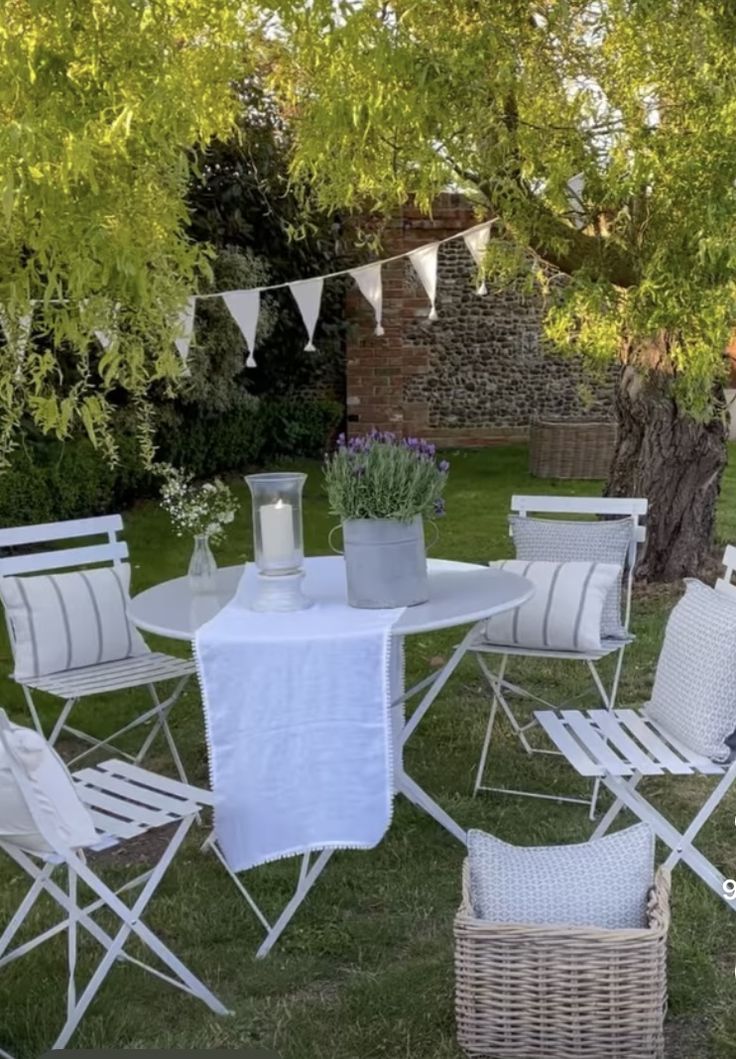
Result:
[278,540]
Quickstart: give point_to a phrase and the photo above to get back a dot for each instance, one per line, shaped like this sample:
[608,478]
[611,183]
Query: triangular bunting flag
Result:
[244,307]
[424,261]
[105,338]
[476,240]
[17,336]
[575,189]
[368,278]
[308,296]
[186,327]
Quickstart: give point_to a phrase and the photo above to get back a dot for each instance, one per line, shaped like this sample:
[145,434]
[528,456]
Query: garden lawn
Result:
[365,970]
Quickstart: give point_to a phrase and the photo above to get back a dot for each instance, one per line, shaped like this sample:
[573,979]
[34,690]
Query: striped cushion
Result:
[565,612]
[560,541]
[65,621]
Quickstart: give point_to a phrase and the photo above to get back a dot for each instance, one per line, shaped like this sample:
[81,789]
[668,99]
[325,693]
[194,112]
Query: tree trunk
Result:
[674,461]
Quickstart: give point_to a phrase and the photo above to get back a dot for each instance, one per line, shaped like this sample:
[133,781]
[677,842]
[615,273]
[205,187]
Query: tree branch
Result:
[551,238]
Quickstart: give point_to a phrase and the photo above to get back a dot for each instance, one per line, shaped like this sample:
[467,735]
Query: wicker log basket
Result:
[571,448]
[549,992]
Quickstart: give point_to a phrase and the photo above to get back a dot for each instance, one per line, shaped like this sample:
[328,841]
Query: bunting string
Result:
[244,305]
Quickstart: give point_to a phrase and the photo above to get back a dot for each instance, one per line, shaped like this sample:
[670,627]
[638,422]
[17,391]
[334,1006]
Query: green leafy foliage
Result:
[295,426]
[206,444]
[509,101]
[49,479]
[102,103]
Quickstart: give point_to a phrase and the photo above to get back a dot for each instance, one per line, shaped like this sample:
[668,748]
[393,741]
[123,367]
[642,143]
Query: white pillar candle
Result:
[277,534]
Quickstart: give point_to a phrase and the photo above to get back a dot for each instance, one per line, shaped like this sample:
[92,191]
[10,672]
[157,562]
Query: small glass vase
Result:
[202,571]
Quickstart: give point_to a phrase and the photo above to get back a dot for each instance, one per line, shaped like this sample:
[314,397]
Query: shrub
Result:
[25,496]
[50,480]
[295,426]
[206,445]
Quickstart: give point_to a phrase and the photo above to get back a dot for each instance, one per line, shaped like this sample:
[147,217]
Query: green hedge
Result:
[50,480]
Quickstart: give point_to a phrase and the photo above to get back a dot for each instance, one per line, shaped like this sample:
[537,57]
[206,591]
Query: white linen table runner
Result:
[297,710]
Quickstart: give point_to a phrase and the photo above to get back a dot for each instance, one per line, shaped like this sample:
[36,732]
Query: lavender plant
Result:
[378,475]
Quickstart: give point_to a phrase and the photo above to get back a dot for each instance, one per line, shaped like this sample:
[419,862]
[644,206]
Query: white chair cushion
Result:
[57,819]
[564,614]
[65,621]
[694,693]
[601,883]
[560,541]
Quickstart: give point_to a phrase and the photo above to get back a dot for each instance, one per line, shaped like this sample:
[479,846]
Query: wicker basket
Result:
[571,449]
[548,992]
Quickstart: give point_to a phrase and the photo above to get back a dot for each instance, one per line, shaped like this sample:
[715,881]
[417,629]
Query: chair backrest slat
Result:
[725,584]
[111,551]
[625,507]
[14,536]
[63,558]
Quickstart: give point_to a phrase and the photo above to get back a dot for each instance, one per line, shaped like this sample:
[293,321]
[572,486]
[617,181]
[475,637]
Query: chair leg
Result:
[32,710]
[162,725]
[680,843]
[605,822]
[71,944]
[158,714]
[131,923]
[704,814]
[61,720]
[609,702]
[210,843]
[35,891]
[491,720]
[307,878]
[130,920]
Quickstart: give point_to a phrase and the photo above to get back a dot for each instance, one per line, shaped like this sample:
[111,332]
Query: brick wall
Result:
[479,373]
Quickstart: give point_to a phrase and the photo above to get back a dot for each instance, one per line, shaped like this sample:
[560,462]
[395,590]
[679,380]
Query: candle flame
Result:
[279,502]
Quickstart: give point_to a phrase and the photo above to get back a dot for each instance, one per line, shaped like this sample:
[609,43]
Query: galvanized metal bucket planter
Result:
[385,562]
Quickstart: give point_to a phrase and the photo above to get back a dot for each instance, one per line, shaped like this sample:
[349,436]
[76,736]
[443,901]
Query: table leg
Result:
[307,878]
[402,730]
[421,799]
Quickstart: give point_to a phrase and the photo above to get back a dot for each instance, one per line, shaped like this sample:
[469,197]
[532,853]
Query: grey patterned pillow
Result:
[562,541]
[694,693]
[601,883]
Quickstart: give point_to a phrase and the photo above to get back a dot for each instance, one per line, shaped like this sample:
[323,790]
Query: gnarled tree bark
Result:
[677,463]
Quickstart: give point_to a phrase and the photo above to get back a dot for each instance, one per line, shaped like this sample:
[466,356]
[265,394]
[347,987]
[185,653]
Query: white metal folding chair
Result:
[142,670]
[621,747]
[124,801]
[502,689]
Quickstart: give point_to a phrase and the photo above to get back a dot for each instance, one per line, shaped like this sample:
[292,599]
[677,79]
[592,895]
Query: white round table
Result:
[460,594]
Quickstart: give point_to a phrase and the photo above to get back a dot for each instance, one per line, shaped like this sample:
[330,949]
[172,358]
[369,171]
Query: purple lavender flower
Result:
[439,507]
[341,441]
[444,466]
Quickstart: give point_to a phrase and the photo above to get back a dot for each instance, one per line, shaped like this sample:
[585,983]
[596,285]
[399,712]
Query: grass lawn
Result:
[365,970]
